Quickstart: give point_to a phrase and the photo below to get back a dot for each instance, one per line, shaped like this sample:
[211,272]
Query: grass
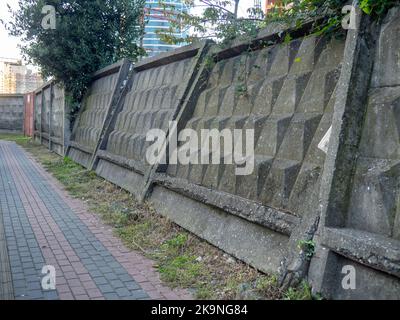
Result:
[302,292]
[182,259]
[16,138]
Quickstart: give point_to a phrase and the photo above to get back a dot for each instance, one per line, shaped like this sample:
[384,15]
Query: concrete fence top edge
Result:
[181,53]
[11,95]
[274,32]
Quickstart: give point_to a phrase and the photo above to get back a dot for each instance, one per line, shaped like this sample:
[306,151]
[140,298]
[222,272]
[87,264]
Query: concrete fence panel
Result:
[52,117]
[359,233]
[285,92]
[97,105]
[11,113]
[153,98]
[37,115]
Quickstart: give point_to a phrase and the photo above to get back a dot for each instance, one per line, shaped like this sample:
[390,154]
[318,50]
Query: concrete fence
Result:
[51,117]
[11,113]
[309,210]
[96,112]
[359,227]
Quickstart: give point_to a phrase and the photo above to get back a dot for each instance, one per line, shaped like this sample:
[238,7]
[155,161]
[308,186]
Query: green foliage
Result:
[15,137]
[89,35]
[241,89]
[326,15]
[287,39]
[264,283]
[177,242]
[68,161]
[308,246]
[377,7]
[182,270]
[219,21]
[302,292]
[177,266]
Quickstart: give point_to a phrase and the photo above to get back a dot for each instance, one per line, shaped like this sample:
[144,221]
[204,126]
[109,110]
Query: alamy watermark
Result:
[349,280]
[230,146]
[49,278]
[350,20]
[49,20]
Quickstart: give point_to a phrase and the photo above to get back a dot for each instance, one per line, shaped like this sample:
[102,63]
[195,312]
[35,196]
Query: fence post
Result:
[119,93]
[196,79]
[24,114]
[63,124]
[41,116]
[50,113]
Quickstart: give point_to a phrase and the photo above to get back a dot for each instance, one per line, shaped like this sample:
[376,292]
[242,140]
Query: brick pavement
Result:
[41,225]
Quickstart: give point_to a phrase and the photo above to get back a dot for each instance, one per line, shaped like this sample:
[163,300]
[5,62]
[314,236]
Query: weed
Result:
[302,292]
[308,247]
[177,242]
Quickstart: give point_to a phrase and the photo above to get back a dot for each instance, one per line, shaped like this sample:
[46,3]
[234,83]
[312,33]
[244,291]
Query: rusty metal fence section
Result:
[29,105]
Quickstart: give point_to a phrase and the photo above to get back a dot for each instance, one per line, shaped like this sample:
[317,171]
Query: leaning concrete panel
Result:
[285,93]
[94,110]
[153,97]
[361,231]
[60,126]
[288,103]
[46,114]
[11,113]
[37,116]
[51,117]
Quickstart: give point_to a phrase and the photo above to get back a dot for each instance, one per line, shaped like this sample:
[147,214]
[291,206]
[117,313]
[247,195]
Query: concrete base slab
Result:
[123,177]
[254,244]
[80,157]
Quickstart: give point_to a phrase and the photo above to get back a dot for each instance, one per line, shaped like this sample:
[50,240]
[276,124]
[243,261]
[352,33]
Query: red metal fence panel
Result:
[29,112]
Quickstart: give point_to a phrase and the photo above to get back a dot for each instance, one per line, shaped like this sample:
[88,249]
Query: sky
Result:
[9,45]
[243,6]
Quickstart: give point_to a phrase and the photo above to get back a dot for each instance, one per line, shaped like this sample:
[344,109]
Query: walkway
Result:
[40,225]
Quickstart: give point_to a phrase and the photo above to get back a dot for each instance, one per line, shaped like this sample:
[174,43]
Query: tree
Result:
[88,35]
[219,21]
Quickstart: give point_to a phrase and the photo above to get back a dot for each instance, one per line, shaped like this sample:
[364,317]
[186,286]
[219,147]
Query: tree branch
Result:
[210,4]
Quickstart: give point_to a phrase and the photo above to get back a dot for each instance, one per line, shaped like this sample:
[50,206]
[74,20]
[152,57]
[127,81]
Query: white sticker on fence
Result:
[324,143]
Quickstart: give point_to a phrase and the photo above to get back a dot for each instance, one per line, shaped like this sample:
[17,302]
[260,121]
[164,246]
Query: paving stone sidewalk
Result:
[41,225]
